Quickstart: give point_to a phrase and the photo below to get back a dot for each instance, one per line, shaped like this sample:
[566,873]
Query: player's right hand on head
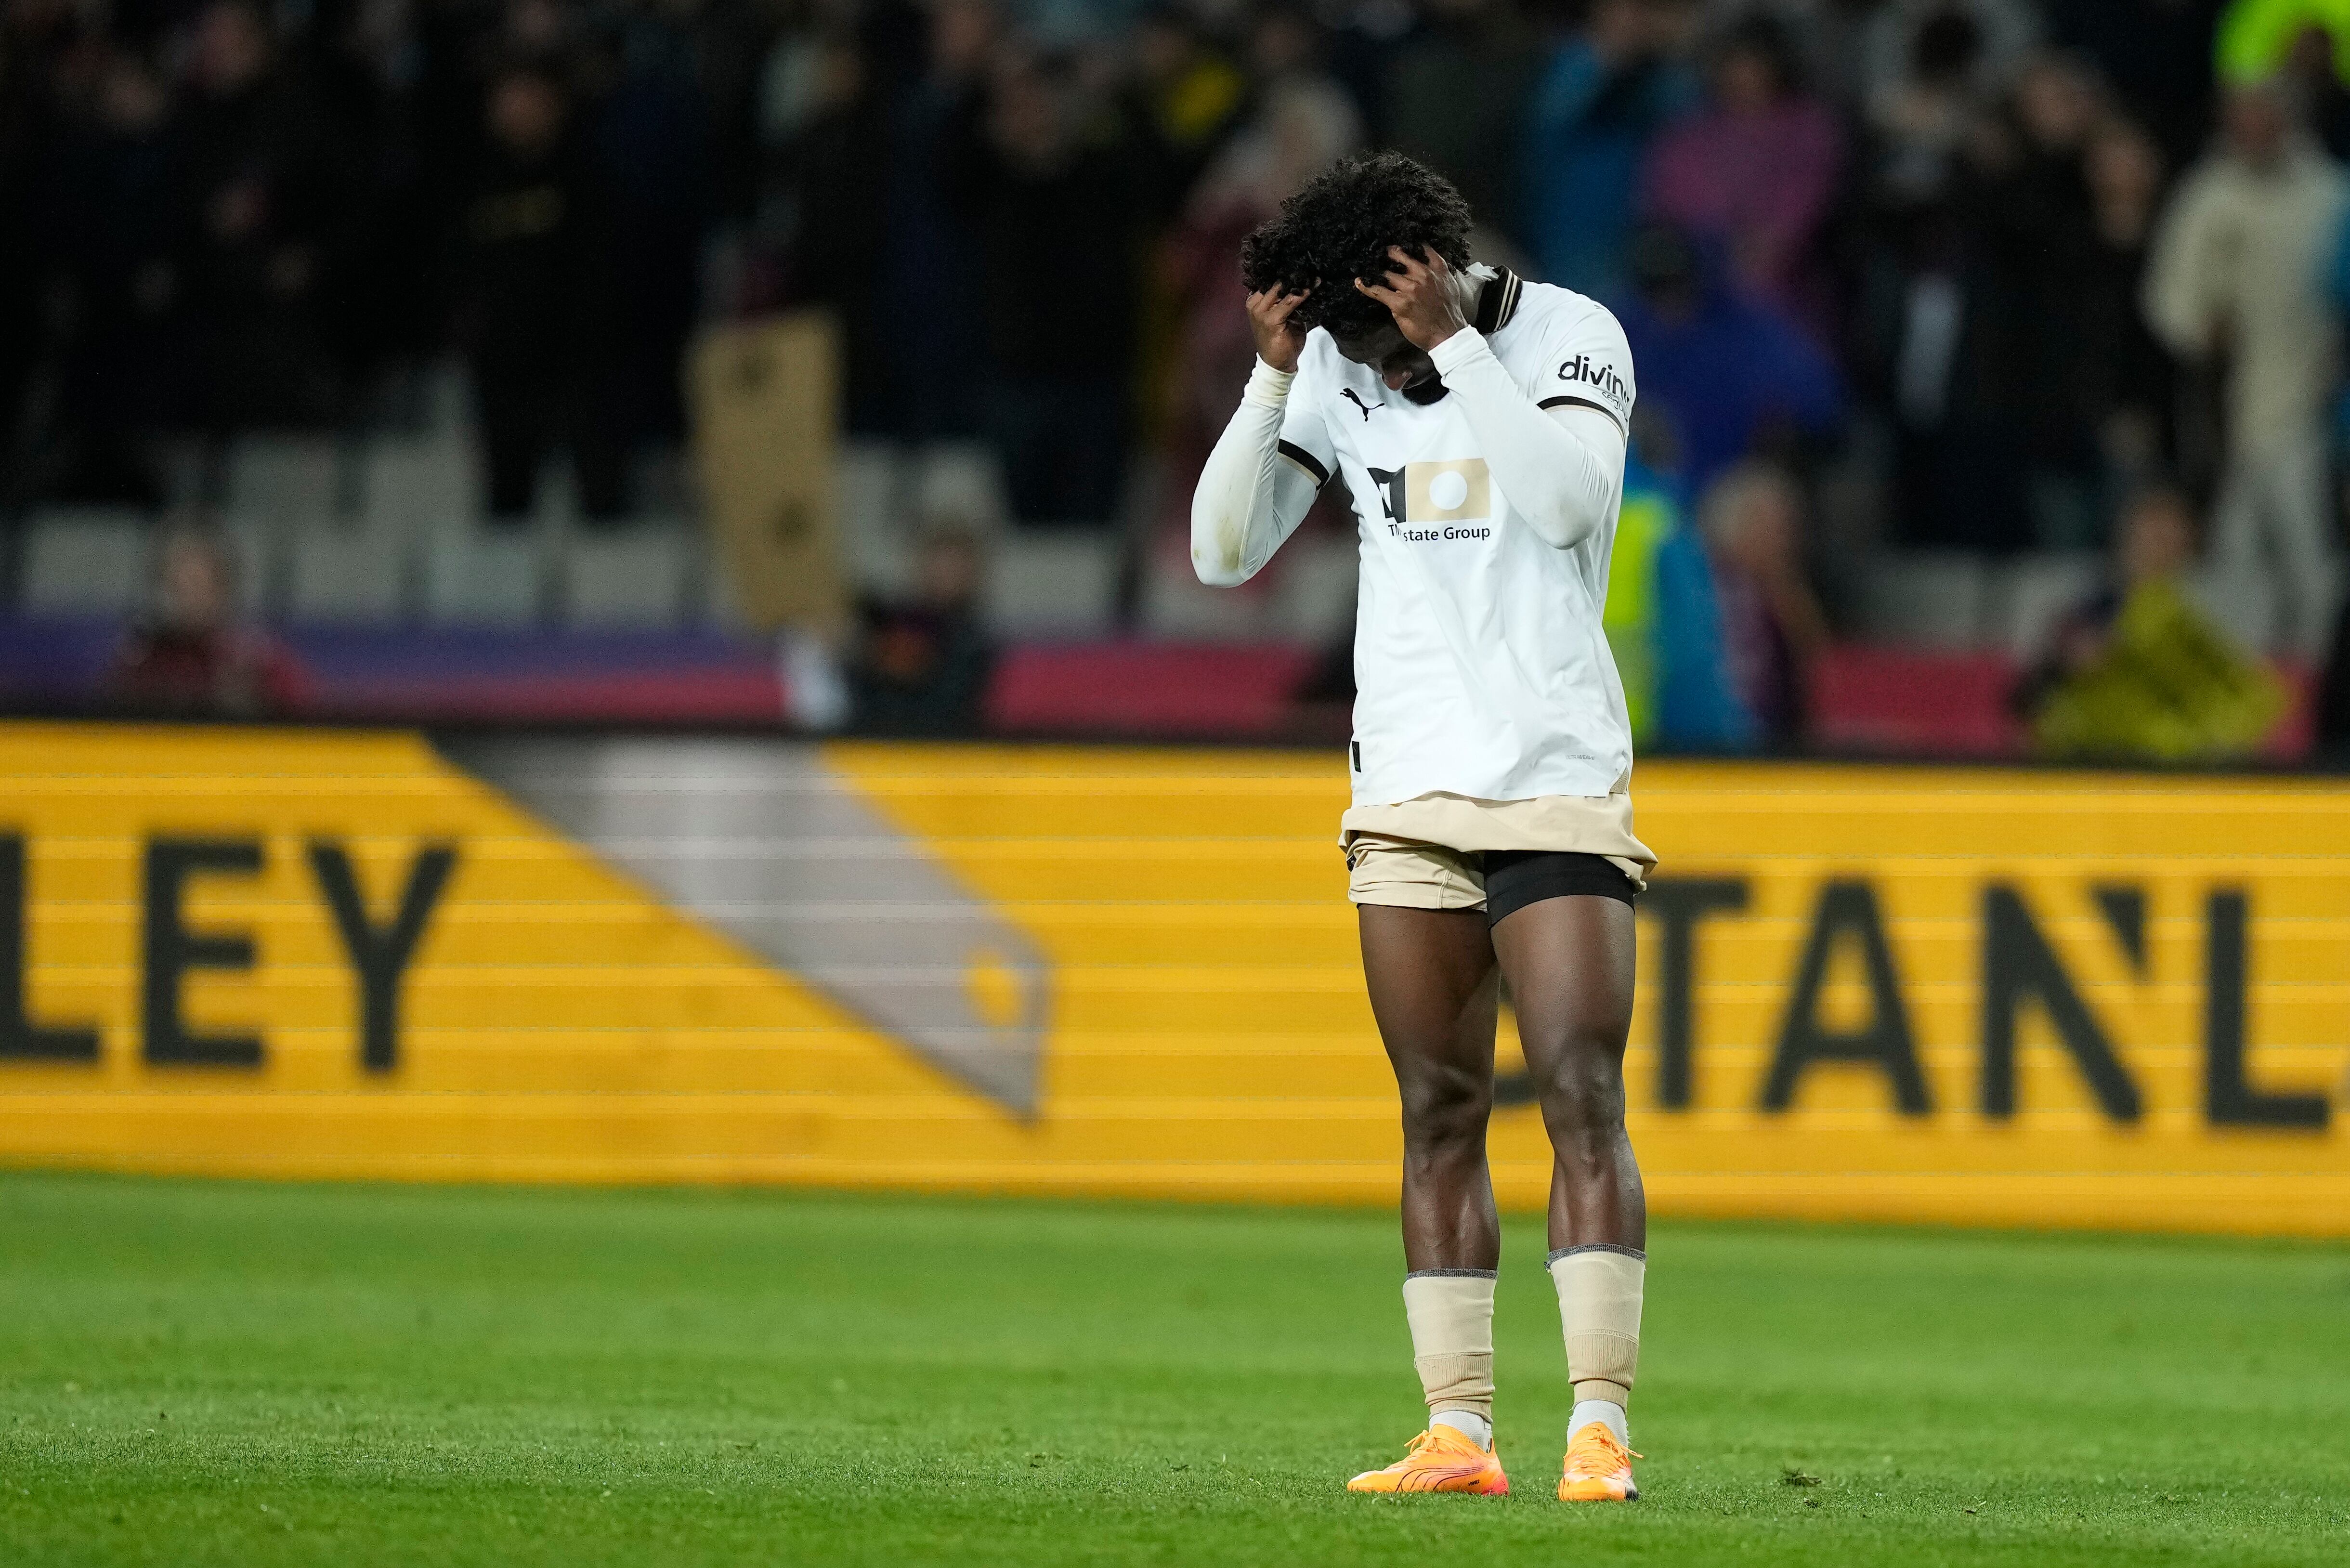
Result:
[1278,343]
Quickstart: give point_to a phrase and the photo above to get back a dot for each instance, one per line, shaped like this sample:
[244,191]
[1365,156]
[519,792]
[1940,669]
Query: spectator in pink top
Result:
[1755,171]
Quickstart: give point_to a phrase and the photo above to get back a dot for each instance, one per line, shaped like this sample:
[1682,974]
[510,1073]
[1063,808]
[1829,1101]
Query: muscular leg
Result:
[1569,964]
[1432,988]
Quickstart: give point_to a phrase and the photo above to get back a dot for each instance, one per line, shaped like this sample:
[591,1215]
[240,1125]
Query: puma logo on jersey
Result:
[1369,409]
[1583,368]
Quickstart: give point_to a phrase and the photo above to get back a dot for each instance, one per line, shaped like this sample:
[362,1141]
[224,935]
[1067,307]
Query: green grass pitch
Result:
[216,1373]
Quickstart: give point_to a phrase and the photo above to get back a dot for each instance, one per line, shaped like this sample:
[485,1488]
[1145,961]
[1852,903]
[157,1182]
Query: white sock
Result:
[1473,1426]
[1605,1412]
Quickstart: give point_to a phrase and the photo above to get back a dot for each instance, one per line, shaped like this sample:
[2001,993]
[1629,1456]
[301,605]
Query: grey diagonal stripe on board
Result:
[760,840]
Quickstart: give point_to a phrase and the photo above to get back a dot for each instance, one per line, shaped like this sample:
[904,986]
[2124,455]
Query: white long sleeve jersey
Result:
[1486,521]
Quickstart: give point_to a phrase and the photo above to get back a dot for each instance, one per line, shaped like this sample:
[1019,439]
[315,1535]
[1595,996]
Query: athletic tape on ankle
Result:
[1451,1315]
[1599,1310]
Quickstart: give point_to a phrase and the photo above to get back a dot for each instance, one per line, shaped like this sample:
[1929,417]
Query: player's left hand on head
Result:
[1420,295]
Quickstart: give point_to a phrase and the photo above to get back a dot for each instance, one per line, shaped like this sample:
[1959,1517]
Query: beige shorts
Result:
[1424,853]
[1409,876]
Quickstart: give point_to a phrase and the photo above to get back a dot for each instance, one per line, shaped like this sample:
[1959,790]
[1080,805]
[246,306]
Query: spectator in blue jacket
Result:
[1732,376]
[1598,101]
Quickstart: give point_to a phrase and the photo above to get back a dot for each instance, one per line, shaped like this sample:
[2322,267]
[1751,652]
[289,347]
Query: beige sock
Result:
[1599,1307]
[1451,1315]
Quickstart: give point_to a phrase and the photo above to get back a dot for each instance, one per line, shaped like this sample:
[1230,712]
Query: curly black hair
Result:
[1338,228]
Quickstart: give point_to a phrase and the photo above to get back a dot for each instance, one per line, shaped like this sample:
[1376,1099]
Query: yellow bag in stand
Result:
[2169,687]
[766,434]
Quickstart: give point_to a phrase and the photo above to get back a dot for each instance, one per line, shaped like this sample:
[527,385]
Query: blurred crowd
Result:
[220,217]
[1975,275]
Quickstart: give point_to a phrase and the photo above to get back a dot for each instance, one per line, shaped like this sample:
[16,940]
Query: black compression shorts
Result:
[1516,878]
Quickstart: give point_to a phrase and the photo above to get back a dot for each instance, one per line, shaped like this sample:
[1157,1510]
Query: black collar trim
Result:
[1497,301]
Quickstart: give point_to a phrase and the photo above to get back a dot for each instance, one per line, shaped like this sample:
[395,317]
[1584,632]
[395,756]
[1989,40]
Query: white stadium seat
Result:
[888,495]
[632,579]
[1931,601]
[1306,595]
[253,547]
[876,549]
[1052,584]
[1315,593]
[2029,595]
[414,489]
[2242,602]
[354,578]
[293,481]
[85,561]
[963,481]
[1179,607]
[482,579]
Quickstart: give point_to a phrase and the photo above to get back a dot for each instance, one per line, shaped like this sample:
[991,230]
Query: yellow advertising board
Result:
[1982,996]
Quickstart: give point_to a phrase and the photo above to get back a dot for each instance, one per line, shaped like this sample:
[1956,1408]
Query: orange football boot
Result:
[1599,1467]
[1441,1460]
